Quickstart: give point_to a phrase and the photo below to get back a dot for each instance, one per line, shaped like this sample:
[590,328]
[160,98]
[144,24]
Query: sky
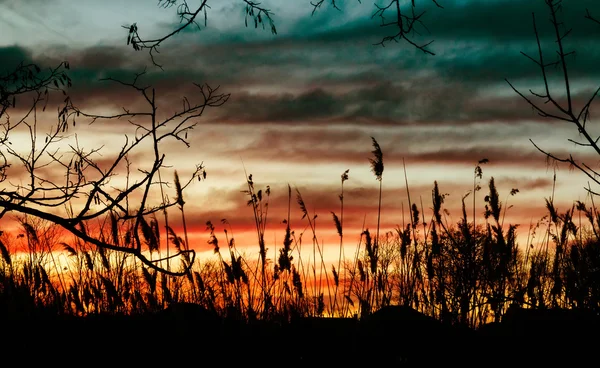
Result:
[305,103]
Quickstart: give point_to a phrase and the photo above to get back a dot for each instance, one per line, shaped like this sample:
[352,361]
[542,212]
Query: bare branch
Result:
[74,228]
[589,16]
[571,161]
[188,17]
[86,184]
[405,24]
[317,5]
[565,110]
[581,143]
[26,78]
[406,21]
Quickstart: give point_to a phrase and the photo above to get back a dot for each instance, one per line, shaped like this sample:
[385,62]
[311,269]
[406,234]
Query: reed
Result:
[465,273]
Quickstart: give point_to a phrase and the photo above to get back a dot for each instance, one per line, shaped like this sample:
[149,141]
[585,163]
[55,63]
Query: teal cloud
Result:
[12,56]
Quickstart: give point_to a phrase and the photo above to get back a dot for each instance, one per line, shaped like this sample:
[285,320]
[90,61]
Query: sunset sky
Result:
[305,103]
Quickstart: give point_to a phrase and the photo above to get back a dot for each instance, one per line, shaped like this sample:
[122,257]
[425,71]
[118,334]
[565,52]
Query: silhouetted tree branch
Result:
[589,16]
[188,16]
[26,80]
[405,20]
[88,178]
[562,110]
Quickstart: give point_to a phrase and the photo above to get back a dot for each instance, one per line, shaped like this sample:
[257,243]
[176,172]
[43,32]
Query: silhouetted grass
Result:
[465,273]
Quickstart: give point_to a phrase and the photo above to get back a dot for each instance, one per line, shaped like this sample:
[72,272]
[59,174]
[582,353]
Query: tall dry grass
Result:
[467,272]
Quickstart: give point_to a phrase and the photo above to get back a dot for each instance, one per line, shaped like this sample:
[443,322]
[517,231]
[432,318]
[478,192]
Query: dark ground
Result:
[394,336]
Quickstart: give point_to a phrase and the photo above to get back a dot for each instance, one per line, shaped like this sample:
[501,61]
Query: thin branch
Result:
[567,111]
[405,24]
[589,16]
[87,181]
[188,17]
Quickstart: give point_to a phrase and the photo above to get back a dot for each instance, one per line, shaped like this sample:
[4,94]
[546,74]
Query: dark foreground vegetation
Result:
[392,336]
[431,292]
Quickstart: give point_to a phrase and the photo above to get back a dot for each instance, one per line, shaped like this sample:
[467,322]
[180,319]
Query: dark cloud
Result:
[476,42]
[430,101]
[347,146]
[478,65]
[350,82]
[12,56]
[495,21]
[307,107]
[504,20]
[488,21]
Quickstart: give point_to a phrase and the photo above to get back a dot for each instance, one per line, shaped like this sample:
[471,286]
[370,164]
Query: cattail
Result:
[88,261]
[199,281]
[82,228]
[88,293]
[301,204]
[26,272]
[262,248]
[213,239]
[128,235]
[228,272]
[148,234]
[5,253]
[415,214]
[285,260]
[31,233]
[287,240]
[44,276]
[150,279]
[336,278]
[430,271]
[240,271]
[74,293]
[69,249]
[361,271]
[377,161]
[345,175]
[297,282]
[404,241]
[155,230]
[114,228]
[338,224]
[104,258]
[437,200]
[236,267]
[178,191]
[320,305]
[37,279]
[380,282]
[435,242]
[111,291]
[588,213]
[493,200]
[369,244]
[167,297]
[173,238]
[575,255]
[478,170]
